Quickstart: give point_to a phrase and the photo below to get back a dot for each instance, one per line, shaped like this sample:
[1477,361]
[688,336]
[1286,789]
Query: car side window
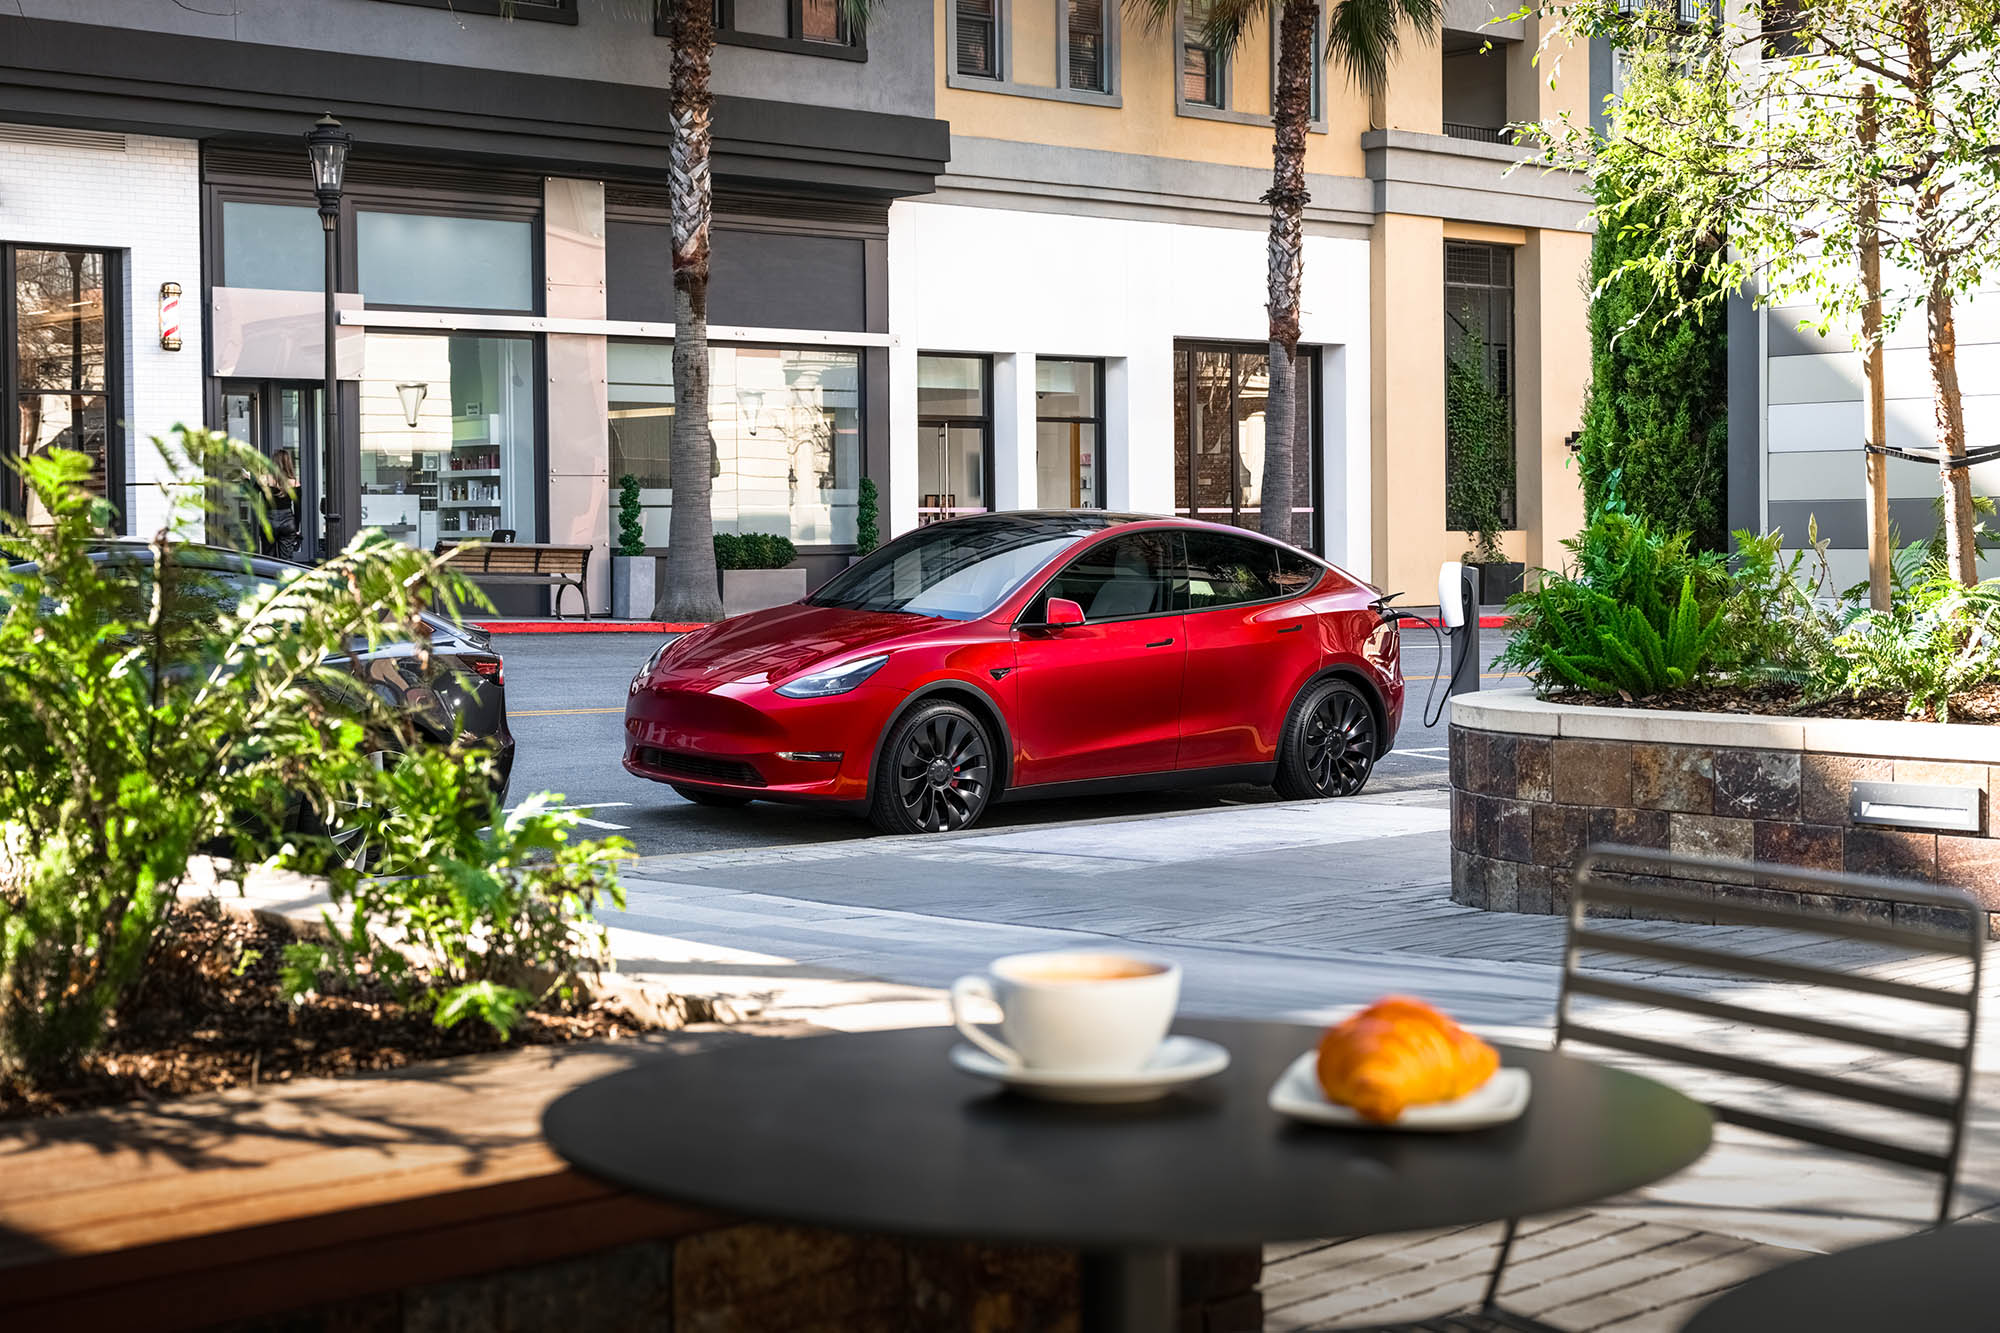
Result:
[1133,575]
[1296,573]
[1227,571]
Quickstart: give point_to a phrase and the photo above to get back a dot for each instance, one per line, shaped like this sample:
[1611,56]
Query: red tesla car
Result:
[1027,655]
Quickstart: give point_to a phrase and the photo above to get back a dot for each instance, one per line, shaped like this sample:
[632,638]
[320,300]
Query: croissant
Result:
[1400,1052]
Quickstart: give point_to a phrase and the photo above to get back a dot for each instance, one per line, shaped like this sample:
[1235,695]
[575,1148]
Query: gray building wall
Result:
[611,41]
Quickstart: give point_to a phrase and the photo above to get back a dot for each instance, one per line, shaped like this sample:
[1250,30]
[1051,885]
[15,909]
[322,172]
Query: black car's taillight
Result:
[490,667]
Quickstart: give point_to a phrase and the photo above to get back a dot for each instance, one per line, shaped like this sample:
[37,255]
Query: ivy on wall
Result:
[1657,414]
[1479,445]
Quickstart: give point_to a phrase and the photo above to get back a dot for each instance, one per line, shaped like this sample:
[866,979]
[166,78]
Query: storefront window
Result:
[1220,399]
[785,426]
[1069,428]
[418,259]
[954,435]
[279,246]
[56,382]
[466,468]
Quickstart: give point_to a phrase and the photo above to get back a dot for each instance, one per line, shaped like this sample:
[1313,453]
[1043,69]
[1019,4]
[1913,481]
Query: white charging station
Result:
[1458,608]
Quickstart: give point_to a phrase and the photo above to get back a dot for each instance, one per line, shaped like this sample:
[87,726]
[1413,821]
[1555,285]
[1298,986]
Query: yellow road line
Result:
[558,712]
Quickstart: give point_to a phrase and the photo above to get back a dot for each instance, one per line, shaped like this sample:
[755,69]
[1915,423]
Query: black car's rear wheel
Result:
[1329,743]
[721,800]
[936,772]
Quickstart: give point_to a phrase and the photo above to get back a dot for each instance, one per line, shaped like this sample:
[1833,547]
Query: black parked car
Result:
[459,691]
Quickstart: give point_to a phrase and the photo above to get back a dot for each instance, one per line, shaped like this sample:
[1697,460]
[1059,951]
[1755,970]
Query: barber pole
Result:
[170,316]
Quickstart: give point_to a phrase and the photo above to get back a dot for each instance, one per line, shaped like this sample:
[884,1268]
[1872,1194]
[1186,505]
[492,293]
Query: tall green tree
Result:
[1857,118]
[1657,417]
[1363,38]
[690,591]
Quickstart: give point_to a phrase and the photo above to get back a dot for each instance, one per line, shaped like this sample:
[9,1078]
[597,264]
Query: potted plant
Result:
[756,570]
[632,570]
[1480,476]
[867,518]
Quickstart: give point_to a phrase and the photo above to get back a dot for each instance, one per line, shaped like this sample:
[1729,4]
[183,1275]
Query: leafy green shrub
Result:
[151,709]
[753,550]
[1637,614]
[1938,638]
[1479,440]
[494,915]
[1657,414]
[867,517]
[631,523]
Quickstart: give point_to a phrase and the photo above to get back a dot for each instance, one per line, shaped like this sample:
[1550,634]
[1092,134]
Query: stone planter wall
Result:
[1534,783]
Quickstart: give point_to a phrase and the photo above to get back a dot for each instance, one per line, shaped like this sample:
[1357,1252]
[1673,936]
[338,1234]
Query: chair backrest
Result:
[1618,881]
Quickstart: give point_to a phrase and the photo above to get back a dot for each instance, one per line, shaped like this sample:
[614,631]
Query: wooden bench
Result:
[543,563]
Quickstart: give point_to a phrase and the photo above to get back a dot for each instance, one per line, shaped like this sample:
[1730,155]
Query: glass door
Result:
[281,420]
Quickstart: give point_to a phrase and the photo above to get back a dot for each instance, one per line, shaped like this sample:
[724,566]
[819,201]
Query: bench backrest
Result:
[517,558]
[1930,975]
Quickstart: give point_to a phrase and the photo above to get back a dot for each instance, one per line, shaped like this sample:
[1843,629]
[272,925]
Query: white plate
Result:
[1178,1060]
[1500,1099]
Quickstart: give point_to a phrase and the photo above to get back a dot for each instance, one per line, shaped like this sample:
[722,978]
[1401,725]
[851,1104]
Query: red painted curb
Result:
[582,627]
[1485,622]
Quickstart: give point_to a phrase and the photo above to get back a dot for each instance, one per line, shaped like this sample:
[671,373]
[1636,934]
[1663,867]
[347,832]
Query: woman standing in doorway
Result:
[282,492]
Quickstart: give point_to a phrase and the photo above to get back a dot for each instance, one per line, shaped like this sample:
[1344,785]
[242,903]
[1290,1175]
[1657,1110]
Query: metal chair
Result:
[1610,881]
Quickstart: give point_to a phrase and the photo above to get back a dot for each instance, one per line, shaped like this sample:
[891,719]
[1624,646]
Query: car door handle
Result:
[1159,643]
[1291,629]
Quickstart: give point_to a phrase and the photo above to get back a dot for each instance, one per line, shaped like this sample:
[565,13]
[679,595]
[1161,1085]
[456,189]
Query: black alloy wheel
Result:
[1329,745]
[936,773]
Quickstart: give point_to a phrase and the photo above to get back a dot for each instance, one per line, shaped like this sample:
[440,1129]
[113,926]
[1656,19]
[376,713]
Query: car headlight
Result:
[834,680]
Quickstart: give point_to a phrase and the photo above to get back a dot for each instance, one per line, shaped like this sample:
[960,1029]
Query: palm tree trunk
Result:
[1960,553]
[1291,110]
[690,591]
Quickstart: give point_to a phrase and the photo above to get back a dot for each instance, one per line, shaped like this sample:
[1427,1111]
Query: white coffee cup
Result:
[1078,1012]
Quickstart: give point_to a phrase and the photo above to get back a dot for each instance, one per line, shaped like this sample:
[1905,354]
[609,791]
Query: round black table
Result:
[1945,1281]
[878,1132]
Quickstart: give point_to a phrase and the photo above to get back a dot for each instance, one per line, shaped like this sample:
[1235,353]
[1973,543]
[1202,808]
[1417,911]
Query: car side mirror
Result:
[1062,611]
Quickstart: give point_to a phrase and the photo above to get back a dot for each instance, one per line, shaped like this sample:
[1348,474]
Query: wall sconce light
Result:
[1575,441]
[413,400]
[170,316]
[753,406]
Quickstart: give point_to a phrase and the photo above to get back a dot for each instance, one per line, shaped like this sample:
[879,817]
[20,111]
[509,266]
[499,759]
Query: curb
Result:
[1485,622]
[583,626]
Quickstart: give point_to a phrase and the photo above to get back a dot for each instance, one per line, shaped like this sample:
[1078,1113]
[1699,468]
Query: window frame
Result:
[1108,12]
[855,48]
[117,334]
[985,424]
[1096,364]
[1176,540]
[561,11]
[1219,63]
[1003,49]
[1509,374]
[1316,443]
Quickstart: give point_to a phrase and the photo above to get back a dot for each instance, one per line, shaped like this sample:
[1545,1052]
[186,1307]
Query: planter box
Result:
[754,589]
[1499,582]
[1534,783]
[634,586]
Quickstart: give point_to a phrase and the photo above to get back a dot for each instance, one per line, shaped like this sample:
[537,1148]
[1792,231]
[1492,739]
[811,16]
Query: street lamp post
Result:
[326,148]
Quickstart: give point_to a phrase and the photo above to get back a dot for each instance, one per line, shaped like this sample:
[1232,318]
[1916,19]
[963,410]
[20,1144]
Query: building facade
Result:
[991,253]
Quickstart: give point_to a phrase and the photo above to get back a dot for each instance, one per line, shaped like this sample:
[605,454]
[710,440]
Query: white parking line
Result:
[1425,754]
[592,823]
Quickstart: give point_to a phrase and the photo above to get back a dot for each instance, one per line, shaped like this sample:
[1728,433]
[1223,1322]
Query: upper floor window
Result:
[978,38]
[1201,62]
[1087,67]
[783,25]
[548,11]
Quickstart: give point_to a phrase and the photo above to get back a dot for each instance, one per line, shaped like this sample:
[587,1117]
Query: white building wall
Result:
[1016,285]
[141,195]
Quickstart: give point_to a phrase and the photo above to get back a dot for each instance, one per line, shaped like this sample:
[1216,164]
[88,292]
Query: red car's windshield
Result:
[958,571]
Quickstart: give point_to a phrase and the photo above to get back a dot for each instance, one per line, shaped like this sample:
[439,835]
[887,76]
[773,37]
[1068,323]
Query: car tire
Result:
[1328,748]
[720,800]
[935,774]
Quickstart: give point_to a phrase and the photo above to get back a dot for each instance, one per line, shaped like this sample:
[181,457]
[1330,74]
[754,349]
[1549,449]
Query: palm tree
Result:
[689,592]
[1363,38]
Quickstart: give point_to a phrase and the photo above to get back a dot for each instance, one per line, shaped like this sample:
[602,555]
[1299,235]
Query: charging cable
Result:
[1433,705]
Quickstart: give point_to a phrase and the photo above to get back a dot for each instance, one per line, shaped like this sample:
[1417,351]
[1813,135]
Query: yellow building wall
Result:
[1406,401]
[1148,123]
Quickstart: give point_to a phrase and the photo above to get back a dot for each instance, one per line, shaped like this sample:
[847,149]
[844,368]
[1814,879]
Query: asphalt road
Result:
[566,702]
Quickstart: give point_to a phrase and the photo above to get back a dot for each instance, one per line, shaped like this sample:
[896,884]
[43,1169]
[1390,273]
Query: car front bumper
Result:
[745,740]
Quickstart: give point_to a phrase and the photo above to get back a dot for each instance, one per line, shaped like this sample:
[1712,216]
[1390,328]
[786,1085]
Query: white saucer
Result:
[1178,1060]
[1500,1099]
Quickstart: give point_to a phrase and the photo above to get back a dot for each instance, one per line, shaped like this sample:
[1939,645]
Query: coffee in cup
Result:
[1073,1011]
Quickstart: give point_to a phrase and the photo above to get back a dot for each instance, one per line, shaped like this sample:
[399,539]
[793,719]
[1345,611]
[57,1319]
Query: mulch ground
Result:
[208,1015]
[1981,705]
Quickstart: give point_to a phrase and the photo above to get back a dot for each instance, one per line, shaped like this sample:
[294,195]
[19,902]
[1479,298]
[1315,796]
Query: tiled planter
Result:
[1533,783]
